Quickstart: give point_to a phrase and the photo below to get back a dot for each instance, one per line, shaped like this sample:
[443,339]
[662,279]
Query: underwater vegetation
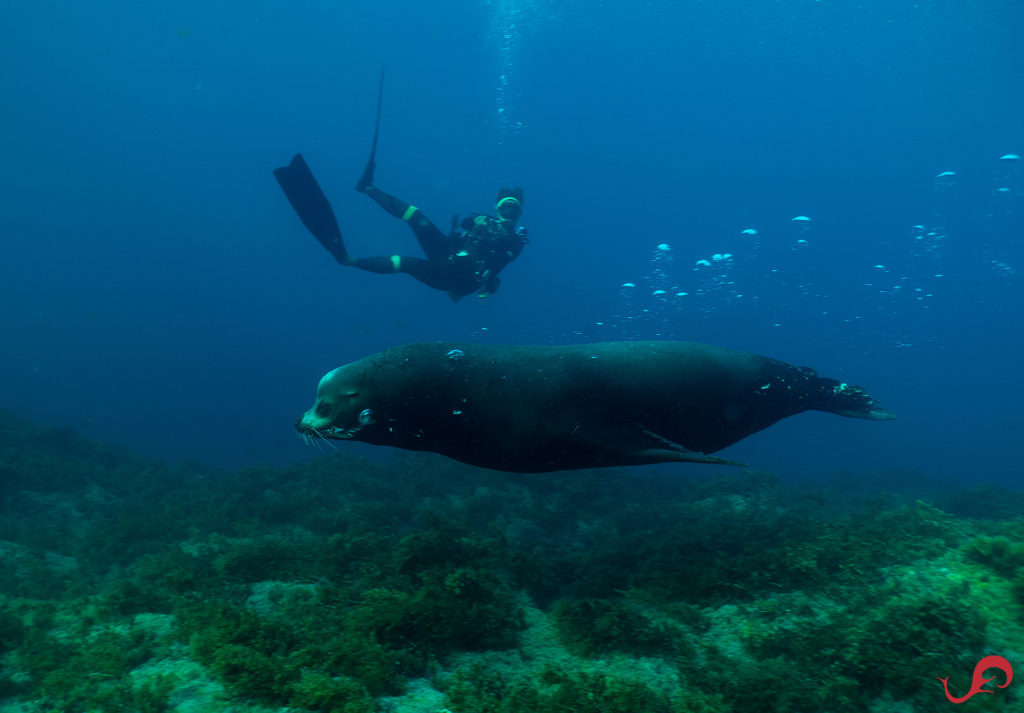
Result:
[347,586]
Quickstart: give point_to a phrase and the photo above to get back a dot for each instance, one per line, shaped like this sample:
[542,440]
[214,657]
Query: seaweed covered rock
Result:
[130,585]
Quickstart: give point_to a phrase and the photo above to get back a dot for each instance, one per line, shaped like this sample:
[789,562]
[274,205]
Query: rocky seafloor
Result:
[426,586]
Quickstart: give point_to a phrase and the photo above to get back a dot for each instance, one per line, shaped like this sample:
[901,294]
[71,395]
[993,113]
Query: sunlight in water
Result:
[507,18]
[512,22]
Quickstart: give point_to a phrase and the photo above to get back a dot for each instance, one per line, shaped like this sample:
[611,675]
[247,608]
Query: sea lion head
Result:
[341,409]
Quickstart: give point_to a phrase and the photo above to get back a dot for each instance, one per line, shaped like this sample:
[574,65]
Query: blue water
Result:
[159,292]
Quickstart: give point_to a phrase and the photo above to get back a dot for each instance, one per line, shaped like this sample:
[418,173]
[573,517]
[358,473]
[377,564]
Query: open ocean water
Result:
[160,293]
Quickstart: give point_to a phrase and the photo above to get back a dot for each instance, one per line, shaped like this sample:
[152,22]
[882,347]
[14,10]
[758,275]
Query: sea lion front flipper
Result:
[665,455]
[640,446]
[665,450]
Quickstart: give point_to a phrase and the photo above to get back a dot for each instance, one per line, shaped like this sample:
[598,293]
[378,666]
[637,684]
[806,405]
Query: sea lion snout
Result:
[317,418]
[304,424]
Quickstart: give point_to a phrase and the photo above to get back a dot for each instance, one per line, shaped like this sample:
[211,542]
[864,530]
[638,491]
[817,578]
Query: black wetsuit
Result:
[459,263]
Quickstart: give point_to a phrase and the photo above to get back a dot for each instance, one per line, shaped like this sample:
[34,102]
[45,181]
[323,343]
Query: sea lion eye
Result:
[323,408]
[365,417]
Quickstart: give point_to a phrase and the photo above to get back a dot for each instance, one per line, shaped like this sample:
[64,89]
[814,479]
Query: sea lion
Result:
[534,409]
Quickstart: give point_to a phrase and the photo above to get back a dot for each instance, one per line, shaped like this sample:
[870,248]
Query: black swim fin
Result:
[366,180]
[311,204]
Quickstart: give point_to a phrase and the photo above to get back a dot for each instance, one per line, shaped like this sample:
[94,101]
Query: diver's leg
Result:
[394,206]
[380,265]
[431,273]
[436,245]
[432,240]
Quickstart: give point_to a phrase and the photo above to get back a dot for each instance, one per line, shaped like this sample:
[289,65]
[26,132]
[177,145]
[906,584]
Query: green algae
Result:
[348,586]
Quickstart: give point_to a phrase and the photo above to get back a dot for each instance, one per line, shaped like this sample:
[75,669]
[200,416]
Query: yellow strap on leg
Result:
[409,212]
[396,261]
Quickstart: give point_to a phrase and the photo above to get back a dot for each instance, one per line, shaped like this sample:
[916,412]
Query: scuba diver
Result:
[461,262]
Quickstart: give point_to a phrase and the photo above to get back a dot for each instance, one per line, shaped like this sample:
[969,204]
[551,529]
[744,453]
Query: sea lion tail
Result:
[849,400]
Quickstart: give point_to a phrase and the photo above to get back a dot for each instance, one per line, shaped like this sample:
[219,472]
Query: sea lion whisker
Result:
[321,439]
[316,441]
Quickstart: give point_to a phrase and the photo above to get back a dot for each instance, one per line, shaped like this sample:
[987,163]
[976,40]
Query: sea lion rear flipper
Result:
[312,206]
[848,400]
